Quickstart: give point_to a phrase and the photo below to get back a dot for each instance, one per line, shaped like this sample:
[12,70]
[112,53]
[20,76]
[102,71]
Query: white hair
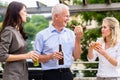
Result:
[58,9]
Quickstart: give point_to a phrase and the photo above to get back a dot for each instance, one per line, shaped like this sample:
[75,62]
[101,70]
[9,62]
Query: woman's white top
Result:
[105,68]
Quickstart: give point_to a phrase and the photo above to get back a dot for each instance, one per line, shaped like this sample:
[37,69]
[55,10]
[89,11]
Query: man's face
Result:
[63,17]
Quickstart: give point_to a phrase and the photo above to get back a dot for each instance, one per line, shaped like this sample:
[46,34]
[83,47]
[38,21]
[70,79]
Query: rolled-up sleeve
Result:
[38,45]
[5,41]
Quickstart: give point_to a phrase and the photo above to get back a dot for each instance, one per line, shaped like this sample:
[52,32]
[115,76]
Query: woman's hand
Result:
[98,47]
[33,55]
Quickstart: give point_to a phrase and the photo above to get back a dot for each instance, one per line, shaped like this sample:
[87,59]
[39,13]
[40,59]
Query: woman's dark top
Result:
[12,42]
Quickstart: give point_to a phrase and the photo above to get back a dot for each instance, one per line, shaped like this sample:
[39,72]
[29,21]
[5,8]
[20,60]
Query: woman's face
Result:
[23,14]
[106,32]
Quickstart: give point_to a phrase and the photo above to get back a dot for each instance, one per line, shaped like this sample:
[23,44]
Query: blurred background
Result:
[85,13]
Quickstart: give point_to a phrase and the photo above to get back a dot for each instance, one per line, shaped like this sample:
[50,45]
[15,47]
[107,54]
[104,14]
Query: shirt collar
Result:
[53,29]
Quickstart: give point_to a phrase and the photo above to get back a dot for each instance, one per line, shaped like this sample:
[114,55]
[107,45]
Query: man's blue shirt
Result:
[47,41]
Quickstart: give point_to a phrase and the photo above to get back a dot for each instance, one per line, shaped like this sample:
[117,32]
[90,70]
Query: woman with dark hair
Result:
[13,43]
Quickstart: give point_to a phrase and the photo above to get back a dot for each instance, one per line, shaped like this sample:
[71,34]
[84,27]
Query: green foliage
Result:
[98,16]
[34,24]
[77,2]
[37,18]
[100,1]
[2,5]
[72,23]
[39,21]
[96,1]
[31,30]
[1,18]
[89,35]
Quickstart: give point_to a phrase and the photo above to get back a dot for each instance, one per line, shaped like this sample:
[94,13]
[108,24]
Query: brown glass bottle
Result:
[61,61]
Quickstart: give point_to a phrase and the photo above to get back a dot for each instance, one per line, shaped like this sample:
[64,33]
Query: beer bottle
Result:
[61,61]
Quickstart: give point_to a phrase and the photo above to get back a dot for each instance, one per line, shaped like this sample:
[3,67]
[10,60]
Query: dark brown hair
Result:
[13,18]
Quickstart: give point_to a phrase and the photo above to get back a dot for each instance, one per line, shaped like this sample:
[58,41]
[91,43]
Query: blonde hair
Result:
[113,23]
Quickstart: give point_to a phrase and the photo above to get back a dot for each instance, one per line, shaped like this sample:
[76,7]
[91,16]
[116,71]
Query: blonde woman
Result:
[107,49]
